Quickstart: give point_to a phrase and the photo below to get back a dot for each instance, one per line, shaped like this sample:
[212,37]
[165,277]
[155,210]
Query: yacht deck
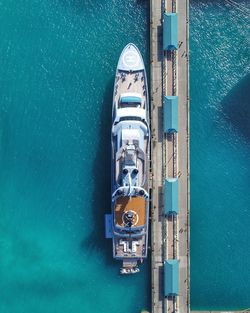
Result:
[130,82]
[135,204]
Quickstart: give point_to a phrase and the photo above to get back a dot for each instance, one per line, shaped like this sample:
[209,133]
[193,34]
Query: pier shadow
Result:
[159,44]
[160,124]
[161,283]
[160,204]
[101,201]
[236,107]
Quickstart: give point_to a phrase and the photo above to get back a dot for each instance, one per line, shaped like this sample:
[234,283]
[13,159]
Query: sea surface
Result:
[57,67]
[220,154]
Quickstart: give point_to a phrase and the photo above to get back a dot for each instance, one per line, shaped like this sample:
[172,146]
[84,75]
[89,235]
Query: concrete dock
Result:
[169,155]
[157,223]
[170,239]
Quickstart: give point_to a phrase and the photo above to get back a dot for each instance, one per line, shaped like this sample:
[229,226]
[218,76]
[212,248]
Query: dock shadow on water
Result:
[236,107]
[101,200]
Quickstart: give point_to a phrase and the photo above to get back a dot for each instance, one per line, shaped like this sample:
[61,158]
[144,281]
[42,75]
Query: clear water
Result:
[57,66]
[56,69]
[220,155]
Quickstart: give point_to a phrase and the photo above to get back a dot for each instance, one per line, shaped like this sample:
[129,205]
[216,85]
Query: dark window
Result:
[130,118]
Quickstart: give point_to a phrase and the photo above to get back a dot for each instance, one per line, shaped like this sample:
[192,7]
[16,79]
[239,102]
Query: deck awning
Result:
[171,278]
[130,99]
[171,205]
[170,114]
[170,31]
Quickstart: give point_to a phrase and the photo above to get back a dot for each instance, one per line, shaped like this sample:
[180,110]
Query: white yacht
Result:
[127,225]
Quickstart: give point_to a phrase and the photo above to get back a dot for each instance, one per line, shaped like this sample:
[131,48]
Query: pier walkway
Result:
[156,59]
[169,156]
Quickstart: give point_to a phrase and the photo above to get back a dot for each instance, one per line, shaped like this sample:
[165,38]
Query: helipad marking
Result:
[135,214]
[131,59]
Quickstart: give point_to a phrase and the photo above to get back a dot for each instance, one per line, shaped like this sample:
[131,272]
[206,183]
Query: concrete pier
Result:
[169,155]
[157,222]
[183,154]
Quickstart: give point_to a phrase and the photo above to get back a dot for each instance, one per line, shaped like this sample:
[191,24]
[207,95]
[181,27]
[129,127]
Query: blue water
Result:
[220,154]
[57,67]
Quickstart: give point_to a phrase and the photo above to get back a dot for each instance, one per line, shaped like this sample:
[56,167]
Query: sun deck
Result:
[136,205]
[131,82]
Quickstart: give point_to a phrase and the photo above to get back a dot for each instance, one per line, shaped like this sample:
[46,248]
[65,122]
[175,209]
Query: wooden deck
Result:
[137,205]
[131,82]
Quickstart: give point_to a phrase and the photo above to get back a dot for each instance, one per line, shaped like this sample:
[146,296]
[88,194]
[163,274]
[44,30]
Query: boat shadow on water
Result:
[101,200]
[236,107]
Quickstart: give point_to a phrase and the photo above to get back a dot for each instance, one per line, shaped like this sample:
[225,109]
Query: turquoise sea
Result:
[57,66]
[220,154]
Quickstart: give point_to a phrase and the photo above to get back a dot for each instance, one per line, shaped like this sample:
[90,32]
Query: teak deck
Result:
[131,84]
[135,204]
